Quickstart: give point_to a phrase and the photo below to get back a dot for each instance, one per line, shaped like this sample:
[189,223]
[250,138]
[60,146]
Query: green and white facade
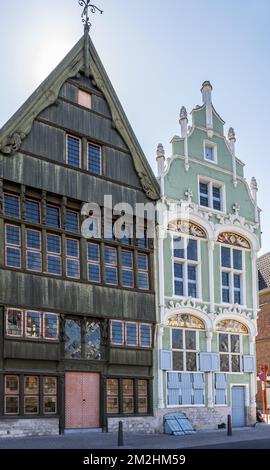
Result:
[207,244]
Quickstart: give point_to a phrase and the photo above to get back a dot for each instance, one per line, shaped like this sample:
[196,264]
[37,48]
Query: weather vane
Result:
[85,14]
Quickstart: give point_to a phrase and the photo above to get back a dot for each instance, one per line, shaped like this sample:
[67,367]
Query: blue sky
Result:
[157,54]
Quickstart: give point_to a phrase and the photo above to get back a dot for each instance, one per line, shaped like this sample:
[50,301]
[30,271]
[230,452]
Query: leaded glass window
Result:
[185,350]
[232,275]
[94,159]
[73,339]
[12,206]
[186,260]
[92,340]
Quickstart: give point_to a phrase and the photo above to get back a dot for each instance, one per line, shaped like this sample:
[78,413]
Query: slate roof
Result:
[264,271]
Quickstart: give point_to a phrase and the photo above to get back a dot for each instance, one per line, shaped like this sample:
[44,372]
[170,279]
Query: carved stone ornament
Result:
[12,144]
[235,310]
[188,302]
[188,228]
[185,321]
[233,239]
[232,326]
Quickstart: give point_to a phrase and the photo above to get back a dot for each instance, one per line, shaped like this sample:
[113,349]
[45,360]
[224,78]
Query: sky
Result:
[157,53]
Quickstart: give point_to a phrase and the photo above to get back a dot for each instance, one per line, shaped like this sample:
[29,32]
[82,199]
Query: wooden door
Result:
[82,400]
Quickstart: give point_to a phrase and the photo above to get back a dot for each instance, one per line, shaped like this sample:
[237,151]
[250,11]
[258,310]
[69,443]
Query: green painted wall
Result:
[166,338]
[202,341]
[246,349]
[215,342]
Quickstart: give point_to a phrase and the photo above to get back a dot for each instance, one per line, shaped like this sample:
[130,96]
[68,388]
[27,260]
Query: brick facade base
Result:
[200,417]
[28,427]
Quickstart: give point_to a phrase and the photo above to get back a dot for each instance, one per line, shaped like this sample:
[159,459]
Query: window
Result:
[112,396]
[127,230]
[142,396]
[32,211]
[72,221]
[13,246]
[72,258]
[232,275]
[230,352]
[53,216]
[93,258]
[117,332]
[14,322]
[84,99]
[210,151]
[73,151]
[33,250]
[185,251]
[50,326]
[31,398]
[31,388]
[145,335]
[82,339]
[185,350]
[31,324]
[211,195]
[127,396]
[131,334]
[142,241]
[127,269]
[110,261]
[54,260]
[50,395]
[94,159]
[143,271]
[12,206]
[12,395]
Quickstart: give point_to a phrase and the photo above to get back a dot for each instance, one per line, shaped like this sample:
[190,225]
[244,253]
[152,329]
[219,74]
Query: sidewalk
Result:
[138,441]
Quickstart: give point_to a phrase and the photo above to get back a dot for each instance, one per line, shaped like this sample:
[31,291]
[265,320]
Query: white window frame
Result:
[145,271]
[44,326]
[70,257]
[213,146]
[111,265]
[78,223]
[127,268]
[230,354]
[151,335]
[231,271]
[184,350]
[11,245]
[59,213]
[6,323]
[80,146]
[185,262]
[33,250]
[137,334]
[94,263]
[53,254]
[101,158]
[123,332]
[12,195]
[40,323]
[39,210]
[210,183]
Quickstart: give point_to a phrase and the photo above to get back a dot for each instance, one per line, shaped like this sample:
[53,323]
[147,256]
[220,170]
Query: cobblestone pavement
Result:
[202,439]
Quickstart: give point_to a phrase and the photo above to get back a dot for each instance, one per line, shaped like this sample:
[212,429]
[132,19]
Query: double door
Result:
[82,397]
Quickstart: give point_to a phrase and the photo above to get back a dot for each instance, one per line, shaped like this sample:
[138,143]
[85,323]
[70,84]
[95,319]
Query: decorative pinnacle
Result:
[160,151]
[231,134]
[206,83]
[254,184]
[85,14]
[183,113]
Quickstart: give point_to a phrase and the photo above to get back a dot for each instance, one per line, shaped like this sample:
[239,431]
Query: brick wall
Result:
[263,338]
[28,427]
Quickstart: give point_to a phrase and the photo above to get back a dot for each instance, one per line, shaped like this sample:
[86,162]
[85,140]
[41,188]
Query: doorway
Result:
[82,400]
[238,406]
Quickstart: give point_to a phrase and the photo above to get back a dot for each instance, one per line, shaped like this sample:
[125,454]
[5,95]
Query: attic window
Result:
[210,151]
[84,99]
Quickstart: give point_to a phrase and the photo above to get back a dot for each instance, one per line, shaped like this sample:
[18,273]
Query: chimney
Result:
[207,92]
[160,160]
[183,121]
[232,140]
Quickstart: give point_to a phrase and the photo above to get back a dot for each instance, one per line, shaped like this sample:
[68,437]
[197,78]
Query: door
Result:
[82,400]
[238,406]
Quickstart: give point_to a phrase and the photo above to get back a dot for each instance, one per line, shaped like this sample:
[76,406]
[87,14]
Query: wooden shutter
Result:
[165,359]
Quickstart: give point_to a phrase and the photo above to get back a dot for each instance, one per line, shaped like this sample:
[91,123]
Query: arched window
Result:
[184,336]
[186,256]
[232,267]
[230,341]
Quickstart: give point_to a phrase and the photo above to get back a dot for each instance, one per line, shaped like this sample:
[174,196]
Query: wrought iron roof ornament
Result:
[86,14]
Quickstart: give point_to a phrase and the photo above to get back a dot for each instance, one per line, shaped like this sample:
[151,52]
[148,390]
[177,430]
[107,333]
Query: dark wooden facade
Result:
[36,169]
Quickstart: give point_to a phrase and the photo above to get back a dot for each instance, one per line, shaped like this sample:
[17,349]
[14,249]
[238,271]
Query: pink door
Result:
[82,400]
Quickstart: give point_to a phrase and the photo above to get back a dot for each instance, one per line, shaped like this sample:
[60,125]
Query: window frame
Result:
[138,334]
[12,246]
[80,150]
[93,144]
[33,250]
[213,146]
[135,396]
[25,337]
[210,182]
[52,254]
[39,211]
[111,265]
[4,204]
[185,262]
[94,263]
[48,204]
[80,90]
[6,322]
[230,353]
[184,350]
[231,271]
[143,271]
[71,257]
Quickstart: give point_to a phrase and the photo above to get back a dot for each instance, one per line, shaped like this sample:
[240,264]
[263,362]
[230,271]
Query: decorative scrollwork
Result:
[85,14]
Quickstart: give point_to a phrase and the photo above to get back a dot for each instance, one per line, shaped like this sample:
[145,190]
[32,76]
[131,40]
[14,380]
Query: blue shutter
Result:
[165,359]
[173,380]
[173,397]
[186,380]
[220,397]
[186,396]
[209,362]
[198,397]
[221,381]
[249,363]
[220,389]
[186,388]
[198,381]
